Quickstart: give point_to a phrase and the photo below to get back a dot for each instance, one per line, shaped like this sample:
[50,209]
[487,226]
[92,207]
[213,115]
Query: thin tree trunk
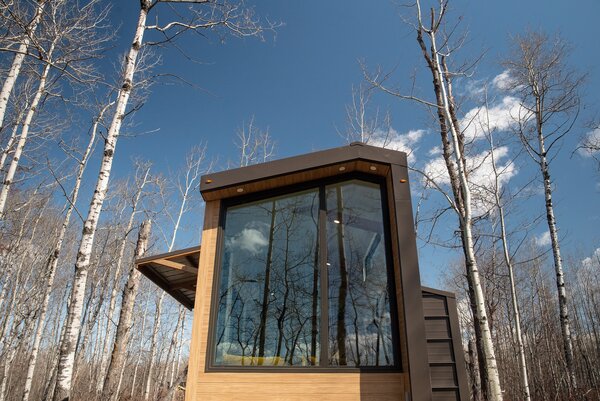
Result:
[12,169]
[52,263]
[11,142]
[139,356]
[62,391]
[495,391]
[117,359]
[17,63]
[509,265]
[558,266]
[113,294]
[153,342]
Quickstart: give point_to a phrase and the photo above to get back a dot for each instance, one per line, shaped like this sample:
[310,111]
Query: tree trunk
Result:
[12,169]
[125,323]
[52,263]
[113,294]
[73,322]
[17,63]
[153,342]
[509,265]
[494,389]
[558,267]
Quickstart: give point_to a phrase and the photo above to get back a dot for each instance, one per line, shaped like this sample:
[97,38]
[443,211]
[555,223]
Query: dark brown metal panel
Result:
[264,171]
[150,273]
[168,255]
[459,355]
[419,374]
[444,347]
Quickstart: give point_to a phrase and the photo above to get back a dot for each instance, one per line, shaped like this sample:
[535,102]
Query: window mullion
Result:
[324,329]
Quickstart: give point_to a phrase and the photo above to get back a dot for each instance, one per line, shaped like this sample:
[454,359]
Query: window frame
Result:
[323,365]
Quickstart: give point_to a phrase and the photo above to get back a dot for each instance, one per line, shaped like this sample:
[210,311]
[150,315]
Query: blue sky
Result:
[298,81]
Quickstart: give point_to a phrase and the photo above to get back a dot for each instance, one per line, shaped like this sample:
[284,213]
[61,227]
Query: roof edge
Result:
[354,151]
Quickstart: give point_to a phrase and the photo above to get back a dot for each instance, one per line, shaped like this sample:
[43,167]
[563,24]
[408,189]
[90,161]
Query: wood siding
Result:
[248,386]
[444,348]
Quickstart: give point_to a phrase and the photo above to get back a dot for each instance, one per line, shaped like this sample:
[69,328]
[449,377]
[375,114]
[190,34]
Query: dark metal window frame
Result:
[323,365]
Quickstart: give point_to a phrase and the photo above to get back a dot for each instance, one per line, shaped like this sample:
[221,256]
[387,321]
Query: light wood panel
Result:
[250,386]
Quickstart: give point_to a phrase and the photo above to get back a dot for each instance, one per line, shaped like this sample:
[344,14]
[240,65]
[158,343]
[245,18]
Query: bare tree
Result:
[549,100]
[235,20]
[436,48]
[122,336]
[73,35]
[52,263]
[255,145]
[25,39]
[499,204]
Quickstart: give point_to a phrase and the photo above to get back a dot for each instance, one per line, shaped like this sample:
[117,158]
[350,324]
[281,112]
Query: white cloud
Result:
[592,141]
[249,239]
[499,117]
[394,140]
[594,259]
[543,239]
[481,175]
[436,150]
[503,81]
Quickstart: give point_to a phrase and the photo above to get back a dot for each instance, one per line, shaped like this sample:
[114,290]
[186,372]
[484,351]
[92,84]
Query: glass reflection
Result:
[360,327]
[268,311]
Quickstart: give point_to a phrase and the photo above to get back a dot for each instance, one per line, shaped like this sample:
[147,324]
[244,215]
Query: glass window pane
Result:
[268,305]
[360,325]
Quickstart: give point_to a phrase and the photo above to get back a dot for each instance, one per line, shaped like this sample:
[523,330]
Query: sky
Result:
[298,80]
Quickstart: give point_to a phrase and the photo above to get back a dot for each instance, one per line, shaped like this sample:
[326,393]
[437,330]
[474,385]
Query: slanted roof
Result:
[175,272]
[356,157]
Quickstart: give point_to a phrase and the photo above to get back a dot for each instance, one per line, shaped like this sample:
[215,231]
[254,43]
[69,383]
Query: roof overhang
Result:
[357,157]
[175,272]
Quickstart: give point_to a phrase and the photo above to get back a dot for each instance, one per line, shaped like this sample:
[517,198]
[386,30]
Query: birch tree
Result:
[19,56]
[436,49]
[141,180]
[549,100]
[74,36]
[52,263]
[122,336]
[506,254]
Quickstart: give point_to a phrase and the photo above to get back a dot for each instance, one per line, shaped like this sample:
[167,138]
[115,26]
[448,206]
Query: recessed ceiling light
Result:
[342,168]
[336,221]
[208,181]
[240,190]
[328,264]
[372,168]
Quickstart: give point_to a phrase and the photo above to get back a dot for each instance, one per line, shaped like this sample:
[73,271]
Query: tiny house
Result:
[306,286]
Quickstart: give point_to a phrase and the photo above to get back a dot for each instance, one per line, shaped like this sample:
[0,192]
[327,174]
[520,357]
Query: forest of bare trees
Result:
[77,320]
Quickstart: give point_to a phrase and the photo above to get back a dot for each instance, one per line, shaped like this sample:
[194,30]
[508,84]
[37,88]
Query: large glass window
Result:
[275,261]
[360,324]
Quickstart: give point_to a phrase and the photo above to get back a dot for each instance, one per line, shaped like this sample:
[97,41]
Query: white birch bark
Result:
[122,336]
[114,292]
[155,330]
[139,357]
[73,321]
[15,68]
[495,391]
[12,169]
[558,267]
[10,143]
[509,265]
[52,263]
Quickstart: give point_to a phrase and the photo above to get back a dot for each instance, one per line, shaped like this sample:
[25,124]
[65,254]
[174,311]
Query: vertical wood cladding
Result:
[444,348]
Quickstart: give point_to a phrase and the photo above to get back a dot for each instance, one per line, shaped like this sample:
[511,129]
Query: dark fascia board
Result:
[310,161]
[435,291]
[167,255]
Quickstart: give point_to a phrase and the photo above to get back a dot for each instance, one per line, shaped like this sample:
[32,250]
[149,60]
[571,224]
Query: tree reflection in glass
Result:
[268,311]
[360,327]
